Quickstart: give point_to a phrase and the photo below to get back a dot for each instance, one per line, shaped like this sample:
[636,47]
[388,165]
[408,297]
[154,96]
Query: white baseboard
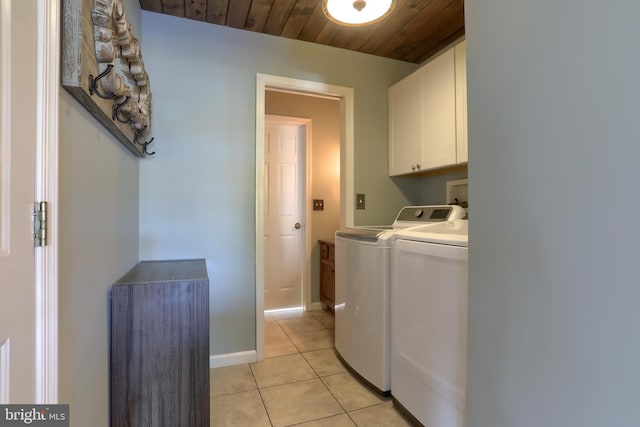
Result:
[230,359]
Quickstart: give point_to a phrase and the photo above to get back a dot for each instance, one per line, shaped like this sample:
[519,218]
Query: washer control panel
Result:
[435,213]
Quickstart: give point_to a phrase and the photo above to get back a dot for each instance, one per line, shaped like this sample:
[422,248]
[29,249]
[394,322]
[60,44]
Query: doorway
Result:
[345,96]
[286,224]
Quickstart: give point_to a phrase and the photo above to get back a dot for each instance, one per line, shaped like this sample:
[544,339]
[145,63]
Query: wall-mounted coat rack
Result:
[102,68]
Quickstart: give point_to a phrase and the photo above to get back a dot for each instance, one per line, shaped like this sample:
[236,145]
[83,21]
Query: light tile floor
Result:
[301,382]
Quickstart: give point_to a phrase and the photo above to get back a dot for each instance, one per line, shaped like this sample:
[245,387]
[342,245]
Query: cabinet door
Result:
[160,354]
[461,103]
[327,283]
[405,125]
[439,112]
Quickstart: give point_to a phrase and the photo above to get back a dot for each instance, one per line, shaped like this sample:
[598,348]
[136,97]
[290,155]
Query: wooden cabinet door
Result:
[405,125]
[327,283]
[438,112]
[327,274]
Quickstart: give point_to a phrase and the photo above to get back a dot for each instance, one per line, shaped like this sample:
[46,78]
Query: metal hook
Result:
[116,108]
[93,83]
[145,144]
[144,150]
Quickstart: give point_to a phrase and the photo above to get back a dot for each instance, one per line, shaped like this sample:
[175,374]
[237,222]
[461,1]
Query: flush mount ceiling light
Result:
[358,12]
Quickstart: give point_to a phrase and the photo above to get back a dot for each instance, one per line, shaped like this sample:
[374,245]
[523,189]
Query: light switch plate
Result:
[360,201]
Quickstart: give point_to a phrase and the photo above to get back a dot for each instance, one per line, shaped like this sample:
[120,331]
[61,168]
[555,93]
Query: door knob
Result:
[297,226]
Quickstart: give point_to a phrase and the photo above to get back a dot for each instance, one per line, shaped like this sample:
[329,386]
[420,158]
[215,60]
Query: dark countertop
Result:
[165,271]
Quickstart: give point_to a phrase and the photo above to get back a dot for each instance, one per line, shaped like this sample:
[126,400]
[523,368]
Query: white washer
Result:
[362,291]
[429,284]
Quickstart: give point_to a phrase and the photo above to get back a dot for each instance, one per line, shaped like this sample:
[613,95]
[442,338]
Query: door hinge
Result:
[40,224]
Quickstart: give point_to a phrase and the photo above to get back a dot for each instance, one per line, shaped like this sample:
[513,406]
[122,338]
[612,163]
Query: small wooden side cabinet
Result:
[160,345]
[327,273]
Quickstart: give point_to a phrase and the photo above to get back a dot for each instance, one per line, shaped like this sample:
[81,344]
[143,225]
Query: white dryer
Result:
[362,291]
[429,283]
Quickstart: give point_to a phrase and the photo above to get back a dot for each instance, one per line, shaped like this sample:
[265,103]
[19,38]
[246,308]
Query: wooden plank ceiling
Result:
[414,31]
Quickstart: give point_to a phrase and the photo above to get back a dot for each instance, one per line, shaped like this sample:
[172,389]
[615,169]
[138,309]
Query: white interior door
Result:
[284,154]
[18,102]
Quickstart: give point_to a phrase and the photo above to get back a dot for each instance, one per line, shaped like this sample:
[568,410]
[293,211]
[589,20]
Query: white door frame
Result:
[306,237]
[347,201]
[46,261]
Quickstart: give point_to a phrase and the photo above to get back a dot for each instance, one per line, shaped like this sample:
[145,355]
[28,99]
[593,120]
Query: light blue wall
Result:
[432,190]
[197,194]
[98,228]
[98,243]
[553,109]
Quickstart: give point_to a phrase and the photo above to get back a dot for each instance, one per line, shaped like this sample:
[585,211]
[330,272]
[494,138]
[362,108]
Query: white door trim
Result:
[46,276]
[347,201]
[306,243]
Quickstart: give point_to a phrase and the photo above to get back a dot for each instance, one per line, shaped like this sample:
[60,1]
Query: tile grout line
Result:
[334,396]
[322,377]
[324,328]
[301,353]
[264,405]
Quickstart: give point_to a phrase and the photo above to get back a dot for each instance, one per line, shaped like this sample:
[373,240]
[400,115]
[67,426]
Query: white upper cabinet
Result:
[439,112]
[461,103]
[427,116]
[405,124]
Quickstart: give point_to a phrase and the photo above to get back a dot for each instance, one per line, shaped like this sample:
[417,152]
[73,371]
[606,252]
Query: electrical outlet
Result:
[359,201]
[318,204]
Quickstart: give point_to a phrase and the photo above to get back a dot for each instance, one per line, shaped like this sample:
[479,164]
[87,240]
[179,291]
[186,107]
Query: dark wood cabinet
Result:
[327,273]
[160,345]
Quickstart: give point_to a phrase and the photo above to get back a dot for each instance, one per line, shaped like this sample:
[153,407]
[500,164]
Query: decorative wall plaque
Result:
[102,68]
